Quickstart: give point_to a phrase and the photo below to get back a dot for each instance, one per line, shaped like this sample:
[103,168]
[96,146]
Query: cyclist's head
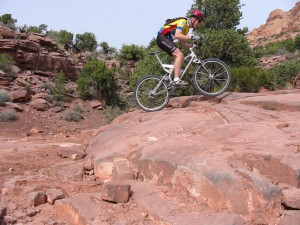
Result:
[198,15]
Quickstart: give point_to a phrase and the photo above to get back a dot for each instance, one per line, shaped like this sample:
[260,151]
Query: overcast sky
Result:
[122,22]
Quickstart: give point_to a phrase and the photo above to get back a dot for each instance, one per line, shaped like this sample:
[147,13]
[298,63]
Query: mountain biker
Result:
[179,30]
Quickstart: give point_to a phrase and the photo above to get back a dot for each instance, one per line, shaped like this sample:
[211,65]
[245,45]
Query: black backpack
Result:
[168,21]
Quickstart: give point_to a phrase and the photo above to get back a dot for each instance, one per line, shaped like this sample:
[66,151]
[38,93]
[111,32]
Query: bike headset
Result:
[198,15]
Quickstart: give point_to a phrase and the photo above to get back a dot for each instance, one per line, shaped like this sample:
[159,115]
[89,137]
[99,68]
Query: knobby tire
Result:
[148,100]
[212,77]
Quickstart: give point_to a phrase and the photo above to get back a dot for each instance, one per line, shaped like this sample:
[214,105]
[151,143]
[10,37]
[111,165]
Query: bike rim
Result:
[212,78]
[147,99]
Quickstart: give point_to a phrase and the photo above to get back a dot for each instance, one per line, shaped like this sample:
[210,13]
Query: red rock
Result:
[115,192]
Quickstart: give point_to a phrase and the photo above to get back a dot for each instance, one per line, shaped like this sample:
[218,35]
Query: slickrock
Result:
[231,152]
[291,197]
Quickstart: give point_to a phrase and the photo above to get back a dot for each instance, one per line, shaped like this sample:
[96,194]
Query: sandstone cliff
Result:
[38,54]
[279,26]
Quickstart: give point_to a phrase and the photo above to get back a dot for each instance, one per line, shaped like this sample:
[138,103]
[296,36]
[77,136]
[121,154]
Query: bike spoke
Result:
[151,94]
[212,78]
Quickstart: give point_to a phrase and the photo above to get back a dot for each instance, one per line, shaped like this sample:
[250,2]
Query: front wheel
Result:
[151,93]
[212,77]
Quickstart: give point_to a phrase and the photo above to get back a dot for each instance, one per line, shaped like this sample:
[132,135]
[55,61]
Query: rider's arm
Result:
[180,36]
[185,44]
[183,39]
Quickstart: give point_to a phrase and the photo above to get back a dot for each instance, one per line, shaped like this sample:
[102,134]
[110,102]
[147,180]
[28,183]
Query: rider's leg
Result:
[178,58]
[171,48]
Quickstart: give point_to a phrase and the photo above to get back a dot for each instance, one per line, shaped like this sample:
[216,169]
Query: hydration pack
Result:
[168,21]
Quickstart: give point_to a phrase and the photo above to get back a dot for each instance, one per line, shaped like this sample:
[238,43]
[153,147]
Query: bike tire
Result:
[212,77]
[151,101]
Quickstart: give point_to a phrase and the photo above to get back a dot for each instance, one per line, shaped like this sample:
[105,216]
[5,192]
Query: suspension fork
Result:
[202,64]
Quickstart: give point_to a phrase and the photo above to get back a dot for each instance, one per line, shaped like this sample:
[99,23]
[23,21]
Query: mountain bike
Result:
[211,77]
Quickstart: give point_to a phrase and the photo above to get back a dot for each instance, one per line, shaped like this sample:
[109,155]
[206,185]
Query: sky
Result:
[119,22]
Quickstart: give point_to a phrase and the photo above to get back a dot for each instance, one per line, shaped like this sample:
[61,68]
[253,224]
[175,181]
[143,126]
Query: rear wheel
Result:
[151,93]
[212,77]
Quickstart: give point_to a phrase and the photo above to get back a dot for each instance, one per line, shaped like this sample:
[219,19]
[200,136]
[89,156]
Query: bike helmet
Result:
[199,15]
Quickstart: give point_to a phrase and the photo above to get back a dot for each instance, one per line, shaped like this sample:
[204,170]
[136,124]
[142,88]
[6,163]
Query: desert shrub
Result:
[63,37]
[297,42]
[249,79]
[86,42]
[125,104]
[148,65]
[229,46]
[59,90]
[78,109]
[48,86]
[284,72]
[4,97]
[41,29]
[58,104]
[131,52]
[275,48]
[49,98]
[28,87]
[6,62]
[8,21]
[98,81]
[269,105]
[73,116]
[125,73]
[8,115]
[112,112]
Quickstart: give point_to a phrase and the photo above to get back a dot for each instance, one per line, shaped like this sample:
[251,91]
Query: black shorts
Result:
[165,44]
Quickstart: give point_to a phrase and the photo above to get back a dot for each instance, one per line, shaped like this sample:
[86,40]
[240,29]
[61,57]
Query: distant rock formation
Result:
[279,26]
[38,53]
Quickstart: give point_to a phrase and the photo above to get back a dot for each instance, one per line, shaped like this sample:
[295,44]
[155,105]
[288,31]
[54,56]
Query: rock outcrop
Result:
[233,159]
[38,53]
[234,153]
[279,26]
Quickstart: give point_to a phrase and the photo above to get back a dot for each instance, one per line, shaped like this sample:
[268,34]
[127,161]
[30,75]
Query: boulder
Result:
[40,104]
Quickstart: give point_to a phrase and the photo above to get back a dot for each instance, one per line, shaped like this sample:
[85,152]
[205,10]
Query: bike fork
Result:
[153,92]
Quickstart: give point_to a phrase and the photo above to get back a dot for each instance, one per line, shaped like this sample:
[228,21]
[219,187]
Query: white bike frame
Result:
[169,67]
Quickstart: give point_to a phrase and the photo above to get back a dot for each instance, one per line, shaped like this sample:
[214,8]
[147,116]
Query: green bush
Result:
[275,48]
[297,42]
[58,104]
[131,52]
[229,46]
[8,115]
[62,37]
[49,98]
[41,29]
[73,116]
[48,86]
[6,62]
[149,65]
[284,72]
[86,42]
[78,109]
[224,14]
[4,97]
[112,112]
[97,81]
[8,21]
[59,90]
[248,79]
